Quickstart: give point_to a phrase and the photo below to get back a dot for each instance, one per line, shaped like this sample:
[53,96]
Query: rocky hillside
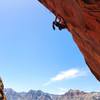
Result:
[39,95]
[82,19]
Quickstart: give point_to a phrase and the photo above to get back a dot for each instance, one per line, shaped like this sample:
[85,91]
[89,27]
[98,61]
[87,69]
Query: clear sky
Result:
[34,56]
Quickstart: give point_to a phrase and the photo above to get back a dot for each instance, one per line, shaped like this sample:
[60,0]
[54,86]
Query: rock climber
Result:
[58,22]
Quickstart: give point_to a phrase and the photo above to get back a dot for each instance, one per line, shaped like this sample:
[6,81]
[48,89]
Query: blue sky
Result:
[34,56]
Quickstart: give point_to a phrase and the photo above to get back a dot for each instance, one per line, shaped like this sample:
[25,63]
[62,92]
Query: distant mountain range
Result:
[39,95]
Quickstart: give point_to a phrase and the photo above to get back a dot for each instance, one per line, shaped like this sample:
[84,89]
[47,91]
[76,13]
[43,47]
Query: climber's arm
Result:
[53,25]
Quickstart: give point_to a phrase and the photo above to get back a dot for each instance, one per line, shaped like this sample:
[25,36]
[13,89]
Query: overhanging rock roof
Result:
[82,18]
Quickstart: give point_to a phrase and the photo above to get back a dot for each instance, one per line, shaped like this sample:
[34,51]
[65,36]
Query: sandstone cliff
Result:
[82,19]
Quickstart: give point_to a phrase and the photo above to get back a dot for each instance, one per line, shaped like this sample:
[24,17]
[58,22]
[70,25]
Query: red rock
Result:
[82,19]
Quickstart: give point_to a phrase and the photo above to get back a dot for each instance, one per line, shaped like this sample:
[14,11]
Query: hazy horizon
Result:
[51,92]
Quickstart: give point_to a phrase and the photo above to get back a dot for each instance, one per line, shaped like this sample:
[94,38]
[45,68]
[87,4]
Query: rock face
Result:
[39,95]
[82,19]
[2,95]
